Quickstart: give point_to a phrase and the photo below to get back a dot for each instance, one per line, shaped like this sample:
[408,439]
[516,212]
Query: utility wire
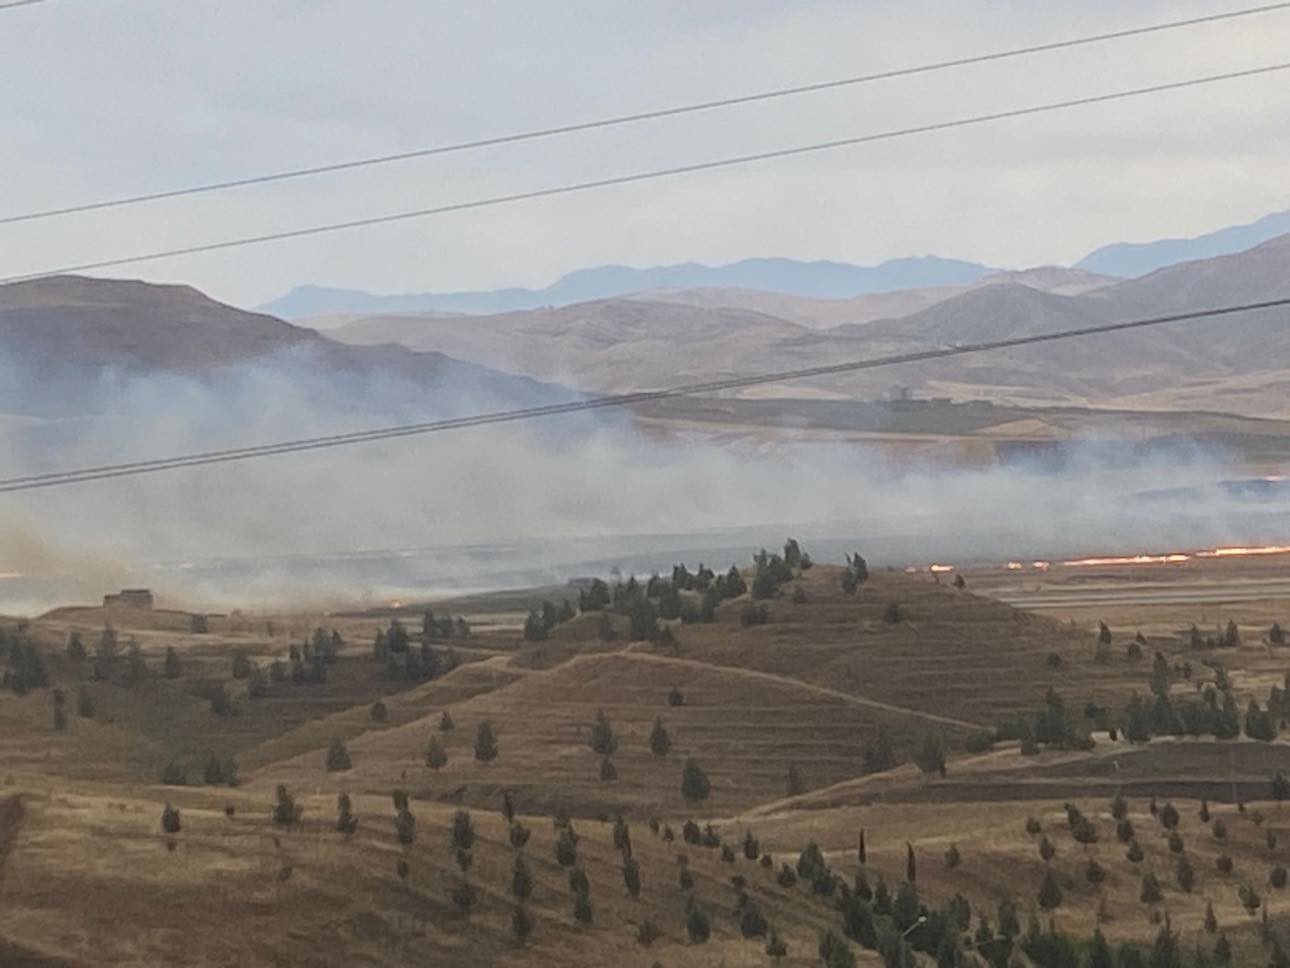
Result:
[624,119]
[102,472]
[7,4]
[646,175]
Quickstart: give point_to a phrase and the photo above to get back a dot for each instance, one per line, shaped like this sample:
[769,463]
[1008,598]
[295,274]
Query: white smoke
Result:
[545,500]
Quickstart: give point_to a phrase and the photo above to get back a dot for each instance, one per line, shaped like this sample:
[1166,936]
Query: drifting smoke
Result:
[547,500]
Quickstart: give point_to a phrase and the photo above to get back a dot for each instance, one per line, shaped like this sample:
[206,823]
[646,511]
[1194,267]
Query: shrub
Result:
[980,742]
[1050,892]
[675,697]
[1277,877]
[753,924]
[436,756]
[519,835]
[463,896]
[608,772]
[697,925]
[1150,892]
[445,722]
[1033,826]
[952,857]
[647,933]
[787,878]
[378,712]
[337,756]
[1094,873]
[1219,830]
[835,952]
[1223,863]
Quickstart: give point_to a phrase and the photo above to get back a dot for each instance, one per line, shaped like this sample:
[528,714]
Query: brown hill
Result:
[55,332]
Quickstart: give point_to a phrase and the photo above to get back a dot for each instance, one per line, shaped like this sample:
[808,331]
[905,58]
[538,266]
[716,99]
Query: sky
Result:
[102,98]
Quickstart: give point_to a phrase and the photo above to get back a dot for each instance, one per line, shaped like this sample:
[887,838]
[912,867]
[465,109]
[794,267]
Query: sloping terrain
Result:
[656,339]
[67,339]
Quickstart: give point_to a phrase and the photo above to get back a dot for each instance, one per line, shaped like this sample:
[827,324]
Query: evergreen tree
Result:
[632,876]
[346,822]
[697,925]
[84,703]
[1150,892]
[378,713]
[485,743]
[521,925]
[1050,892]
[659,740]
[608,772]
[835,952]
[521,879]
[694,782]
[337,756]
[286,812]
[170,819]
[602,735]
[170,666]
[436,757]
[795,786]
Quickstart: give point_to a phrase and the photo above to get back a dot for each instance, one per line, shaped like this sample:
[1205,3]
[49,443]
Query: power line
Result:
[645,175]
[102,472]
[7,4]
[624,119]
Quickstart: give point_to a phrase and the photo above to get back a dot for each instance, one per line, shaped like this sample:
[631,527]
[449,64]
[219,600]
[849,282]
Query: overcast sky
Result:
[100,98]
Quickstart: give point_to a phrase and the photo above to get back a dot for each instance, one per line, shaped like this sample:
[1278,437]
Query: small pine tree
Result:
[485,743]
[463,831]
[521,879]
[170,819]
[694,782]
[445,722]
[170,665]
[697,925]
[436,756]
[85,703]
[1150,892]
[608,772]
[660,743]
[632,876]
[1211,920]
[1050,892]
[521,925]
[794,786]
[346,822]
[602,735]
[378,712]
[337,756]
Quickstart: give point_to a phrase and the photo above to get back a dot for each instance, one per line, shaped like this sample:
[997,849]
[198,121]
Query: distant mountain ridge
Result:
[1133,259]
[820,279]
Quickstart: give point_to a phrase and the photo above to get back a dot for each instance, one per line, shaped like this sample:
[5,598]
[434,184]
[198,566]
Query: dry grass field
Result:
[86,877]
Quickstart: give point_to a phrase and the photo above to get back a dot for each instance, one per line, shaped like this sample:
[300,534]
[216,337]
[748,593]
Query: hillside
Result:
[84,861]
[68,337]
[667,337]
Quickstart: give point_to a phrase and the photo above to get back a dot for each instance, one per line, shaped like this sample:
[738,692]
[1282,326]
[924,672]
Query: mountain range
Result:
[651,340]
[818,280]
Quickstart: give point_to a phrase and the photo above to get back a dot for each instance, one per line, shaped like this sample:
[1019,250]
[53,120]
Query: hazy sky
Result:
[108,97]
